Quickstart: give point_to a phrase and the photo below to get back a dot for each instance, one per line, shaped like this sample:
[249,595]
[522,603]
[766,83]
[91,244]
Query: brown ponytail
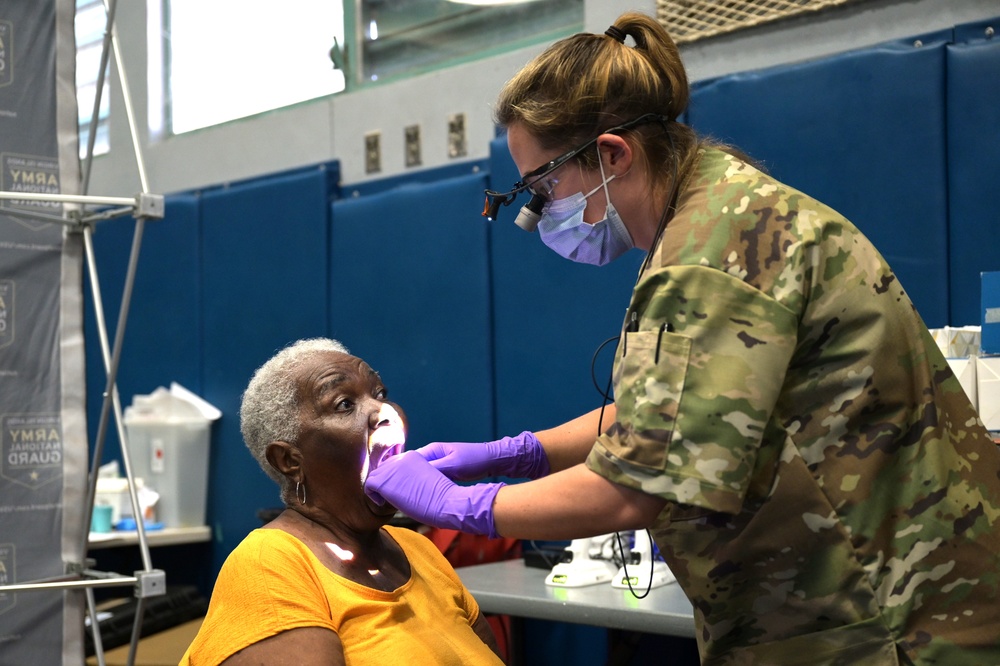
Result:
[584,84]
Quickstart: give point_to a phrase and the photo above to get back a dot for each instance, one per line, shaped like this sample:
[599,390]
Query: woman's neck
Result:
[369,557]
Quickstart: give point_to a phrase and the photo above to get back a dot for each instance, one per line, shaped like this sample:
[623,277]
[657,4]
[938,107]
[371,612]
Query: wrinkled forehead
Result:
[330,369]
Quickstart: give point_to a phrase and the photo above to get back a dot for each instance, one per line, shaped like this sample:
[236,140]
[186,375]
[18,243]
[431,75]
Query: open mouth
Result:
[387,440]
[380,454]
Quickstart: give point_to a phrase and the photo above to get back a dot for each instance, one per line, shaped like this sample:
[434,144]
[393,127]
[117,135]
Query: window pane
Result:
[408,36]
[89,25]
[228,60]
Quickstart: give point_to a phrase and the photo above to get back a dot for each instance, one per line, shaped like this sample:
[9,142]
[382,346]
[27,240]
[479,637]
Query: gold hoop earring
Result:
[301,500]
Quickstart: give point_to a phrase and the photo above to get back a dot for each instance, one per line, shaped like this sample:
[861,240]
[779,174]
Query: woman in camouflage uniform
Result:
[783,423]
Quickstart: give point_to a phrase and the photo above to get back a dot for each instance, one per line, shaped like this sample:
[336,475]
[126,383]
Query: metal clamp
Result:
[152,583]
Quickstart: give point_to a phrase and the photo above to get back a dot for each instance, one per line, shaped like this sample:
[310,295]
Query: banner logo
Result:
[32,448]
[6,312]
[7,576]
[6,55]
[32,174]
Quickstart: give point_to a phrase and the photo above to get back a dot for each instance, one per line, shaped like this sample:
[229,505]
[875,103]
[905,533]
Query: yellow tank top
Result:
[272,582]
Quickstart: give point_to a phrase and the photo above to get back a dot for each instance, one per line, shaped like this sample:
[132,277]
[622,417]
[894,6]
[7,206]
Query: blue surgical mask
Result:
[564,232]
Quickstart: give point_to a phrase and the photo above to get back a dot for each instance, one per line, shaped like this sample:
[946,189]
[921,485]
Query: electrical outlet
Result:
[413,146]
[373,152]
[456,135]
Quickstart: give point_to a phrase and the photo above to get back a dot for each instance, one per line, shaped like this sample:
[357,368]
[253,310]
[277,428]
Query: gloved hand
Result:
[413,486]
[517,457]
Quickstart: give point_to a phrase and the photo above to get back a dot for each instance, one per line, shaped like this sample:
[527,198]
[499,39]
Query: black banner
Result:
[43,446]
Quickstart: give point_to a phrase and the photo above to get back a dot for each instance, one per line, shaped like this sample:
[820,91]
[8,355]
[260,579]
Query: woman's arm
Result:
[485,633]
[570,504]
[305,646]
[568,444]
[574,503]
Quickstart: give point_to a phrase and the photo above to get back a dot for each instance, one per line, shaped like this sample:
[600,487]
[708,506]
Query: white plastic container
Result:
[113,492]
[168,440]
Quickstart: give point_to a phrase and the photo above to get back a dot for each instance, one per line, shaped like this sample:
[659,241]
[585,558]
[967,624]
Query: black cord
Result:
[671,206]
[541,553]
[665,217]
[628,579]
[606,393]
[608,543]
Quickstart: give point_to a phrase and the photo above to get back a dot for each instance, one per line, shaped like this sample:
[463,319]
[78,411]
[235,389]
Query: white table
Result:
[168,536]
[511,588]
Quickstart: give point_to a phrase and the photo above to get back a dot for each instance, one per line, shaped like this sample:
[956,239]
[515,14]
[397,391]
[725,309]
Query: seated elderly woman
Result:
[329,581]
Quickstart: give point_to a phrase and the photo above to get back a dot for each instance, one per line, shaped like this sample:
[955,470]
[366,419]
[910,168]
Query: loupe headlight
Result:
[530,213]
[496,199]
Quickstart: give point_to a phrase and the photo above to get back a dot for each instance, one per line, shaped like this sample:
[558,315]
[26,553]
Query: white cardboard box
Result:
[957,341]
[988,375]
[966,371]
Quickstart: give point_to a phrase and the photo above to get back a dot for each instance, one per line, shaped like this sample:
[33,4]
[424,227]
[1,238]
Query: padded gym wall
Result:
[162,344]
[863,132]
[550,318]
[409,293]
[973,107]
[478,329]
[264,285]
[163,329]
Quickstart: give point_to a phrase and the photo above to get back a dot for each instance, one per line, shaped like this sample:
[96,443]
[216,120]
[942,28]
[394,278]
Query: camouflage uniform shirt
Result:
[833,498]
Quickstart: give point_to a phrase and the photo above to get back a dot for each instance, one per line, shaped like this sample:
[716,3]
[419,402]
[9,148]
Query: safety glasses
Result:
[536,182]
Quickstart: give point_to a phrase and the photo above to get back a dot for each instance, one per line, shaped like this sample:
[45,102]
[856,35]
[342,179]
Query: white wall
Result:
[334,127]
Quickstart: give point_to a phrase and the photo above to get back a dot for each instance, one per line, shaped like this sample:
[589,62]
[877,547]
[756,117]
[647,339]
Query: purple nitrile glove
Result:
[519,457]
[413,486]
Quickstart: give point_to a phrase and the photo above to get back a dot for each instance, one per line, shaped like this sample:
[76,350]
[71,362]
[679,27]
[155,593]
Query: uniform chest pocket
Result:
[649,385]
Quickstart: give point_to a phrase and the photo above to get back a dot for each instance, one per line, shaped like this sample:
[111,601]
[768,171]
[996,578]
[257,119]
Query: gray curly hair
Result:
[269,410]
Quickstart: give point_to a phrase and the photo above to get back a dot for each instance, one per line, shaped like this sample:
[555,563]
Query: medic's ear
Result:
[617,153]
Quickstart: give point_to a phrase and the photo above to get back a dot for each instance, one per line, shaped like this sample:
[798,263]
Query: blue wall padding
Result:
[409,293]
[973,165]
[477,328]
[265,268]
[163,329]
[861,132]
[550,317]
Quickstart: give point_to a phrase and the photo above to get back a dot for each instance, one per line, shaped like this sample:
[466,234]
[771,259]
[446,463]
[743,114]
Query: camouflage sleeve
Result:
[695,387]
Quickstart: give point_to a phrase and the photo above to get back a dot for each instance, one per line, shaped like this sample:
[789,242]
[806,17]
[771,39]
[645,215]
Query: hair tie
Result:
[615,33]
